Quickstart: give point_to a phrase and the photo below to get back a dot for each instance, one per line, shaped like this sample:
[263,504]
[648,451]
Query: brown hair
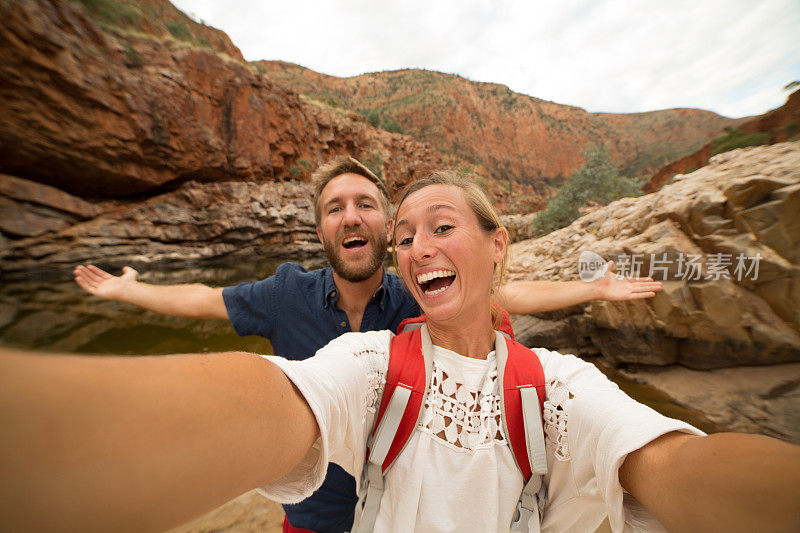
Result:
[488,219]
[344,164]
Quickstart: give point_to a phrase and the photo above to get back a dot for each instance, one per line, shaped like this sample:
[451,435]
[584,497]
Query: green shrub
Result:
[597,180]
[374,118]
[392,126]
[735,138]
[179,31]
[134,60]
[112,12]
[304,163]
[295,171]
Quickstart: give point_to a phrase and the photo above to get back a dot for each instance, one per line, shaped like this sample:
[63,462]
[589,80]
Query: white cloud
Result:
[730,56]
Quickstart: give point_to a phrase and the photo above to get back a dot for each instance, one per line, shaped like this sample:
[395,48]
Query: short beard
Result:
[357,274]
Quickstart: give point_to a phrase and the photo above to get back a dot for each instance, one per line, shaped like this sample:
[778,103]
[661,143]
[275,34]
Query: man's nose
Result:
[351,216]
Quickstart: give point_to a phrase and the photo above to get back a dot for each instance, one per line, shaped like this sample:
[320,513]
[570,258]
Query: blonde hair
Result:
[344,164]
[488,219]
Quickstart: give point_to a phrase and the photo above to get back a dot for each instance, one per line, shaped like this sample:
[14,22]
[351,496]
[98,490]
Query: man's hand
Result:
[615,288]
[102,284]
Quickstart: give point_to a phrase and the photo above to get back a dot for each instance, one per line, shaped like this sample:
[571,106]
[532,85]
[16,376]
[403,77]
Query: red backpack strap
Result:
[401,405]
[523,370]
[407,370]
[505,322]
[411,323]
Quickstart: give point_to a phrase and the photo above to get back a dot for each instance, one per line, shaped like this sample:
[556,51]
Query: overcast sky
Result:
[730,56]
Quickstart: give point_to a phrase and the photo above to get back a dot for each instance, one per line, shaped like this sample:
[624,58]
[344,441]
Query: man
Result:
[300,311]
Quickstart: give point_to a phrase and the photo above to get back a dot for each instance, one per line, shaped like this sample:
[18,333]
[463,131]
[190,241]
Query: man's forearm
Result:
[193,301]
[144,443]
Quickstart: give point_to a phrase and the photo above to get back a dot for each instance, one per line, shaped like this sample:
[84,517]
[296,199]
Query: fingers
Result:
[89,277]
[89,274]
[102,274]
[640,295]
[653,286]
[84,284]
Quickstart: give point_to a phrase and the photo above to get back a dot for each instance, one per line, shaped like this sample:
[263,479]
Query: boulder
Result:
[198,221]
[725,240]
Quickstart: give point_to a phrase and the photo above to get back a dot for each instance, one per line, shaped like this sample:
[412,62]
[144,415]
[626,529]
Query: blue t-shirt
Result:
[296,310]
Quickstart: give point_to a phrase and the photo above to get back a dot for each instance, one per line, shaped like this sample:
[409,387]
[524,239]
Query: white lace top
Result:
[457,472]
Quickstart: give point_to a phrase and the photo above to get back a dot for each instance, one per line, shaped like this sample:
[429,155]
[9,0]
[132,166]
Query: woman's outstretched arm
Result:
[723,482]
[140,443]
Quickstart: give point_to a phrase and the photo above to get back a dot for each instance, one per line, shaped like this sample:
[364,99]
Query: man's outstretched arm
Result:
[194,300]
[527,297]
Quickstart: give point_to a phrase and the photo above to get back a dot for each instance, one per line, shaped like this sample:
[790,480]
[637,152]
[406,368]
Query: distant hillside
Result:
[516,138]
[161,98]
[779,125]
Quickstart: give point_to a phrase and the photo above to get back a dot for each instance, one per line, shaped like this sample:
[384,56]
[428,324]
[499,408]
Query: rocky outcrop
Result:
[130,145]
[198,221]
[781,124]
[520,227]
[28,209]
[99,111]
[744,205]
[764,399]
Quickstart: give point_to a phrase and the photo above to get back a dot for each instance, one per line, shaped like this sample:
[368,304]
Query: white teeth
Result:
[427,276]
[437,291]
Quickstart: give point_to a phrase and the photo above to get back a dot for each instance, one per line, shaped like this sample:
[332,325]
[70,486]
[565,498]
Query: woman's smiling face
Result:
[446,260]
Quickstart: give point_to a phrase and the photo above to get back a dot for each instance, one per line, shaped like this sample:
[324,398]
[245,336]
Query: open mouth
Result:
[436,282]
[352,243]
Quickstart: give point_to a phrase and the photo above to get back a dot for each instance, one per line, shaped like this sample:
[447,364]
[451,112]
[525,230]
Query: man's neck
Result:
[353,296]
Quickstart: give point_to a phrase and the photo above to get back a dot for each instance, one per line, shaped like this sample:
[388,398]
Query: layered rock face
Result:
[101,112]
[702,235]
[177,146]
[721,338]
[198,221]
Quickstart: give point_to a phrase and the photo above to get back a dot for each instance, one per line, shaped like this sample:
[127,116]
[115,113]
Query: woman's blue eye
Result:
[406,242]
[443,228]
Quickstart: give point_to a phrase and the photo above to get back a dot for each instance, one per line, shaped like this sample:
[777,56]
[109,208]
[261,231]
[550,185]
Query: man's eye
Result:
[366,205]
[334,210]
[443,228]
[406,242]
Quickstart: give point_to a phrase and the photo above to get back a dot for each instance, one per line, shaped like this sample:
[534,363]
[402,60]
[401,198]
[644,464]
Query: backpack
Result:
[521,379]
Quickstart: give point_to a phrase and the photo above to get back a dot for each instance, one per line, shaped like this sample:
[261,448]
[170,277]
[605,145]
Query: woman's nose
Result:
[422,248]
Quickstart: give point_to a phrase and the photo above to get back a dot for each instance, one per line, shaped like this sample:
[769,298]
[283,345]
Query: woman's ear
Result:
[500,241]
